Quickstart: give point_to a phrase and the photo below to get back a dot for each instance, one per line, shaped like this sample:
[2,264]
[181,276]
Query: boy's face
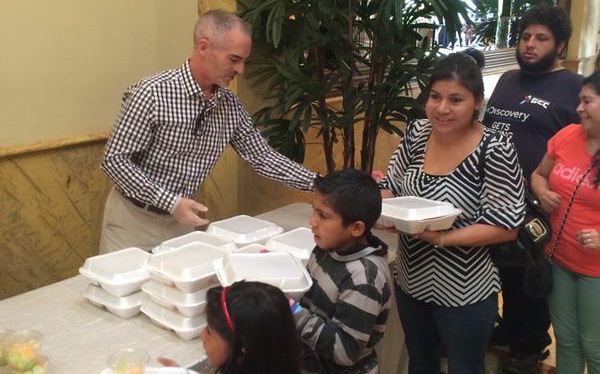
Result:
[327,227]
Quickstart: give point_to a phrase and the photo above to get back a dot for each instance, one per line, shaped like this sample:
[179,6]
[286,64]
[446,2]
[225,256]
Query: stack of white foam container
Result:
[177,290]
[182,271]
[116,279]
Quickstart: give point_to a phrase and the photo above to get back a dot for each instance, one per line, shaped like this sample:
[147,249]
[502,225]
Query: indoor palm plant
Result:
[369,52]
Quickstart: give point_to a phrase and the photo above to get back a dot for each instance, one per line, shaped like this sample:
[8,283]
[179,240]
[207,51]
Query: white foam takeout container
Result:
[413,215]
[276,268]
[124,307]
[298,242]
[187,328]
[189,268]
[188,304]
[119,273]
[253,248]
[244,229]
[196,236]
[158,370]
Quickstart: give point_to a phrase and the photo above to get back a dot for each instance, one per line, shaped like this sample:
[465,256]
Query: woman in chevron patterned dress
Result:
[446,283]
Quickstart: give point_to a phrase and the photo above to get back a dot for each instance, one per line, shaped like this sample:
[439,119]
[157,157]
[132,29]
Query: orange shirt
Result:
[571,160]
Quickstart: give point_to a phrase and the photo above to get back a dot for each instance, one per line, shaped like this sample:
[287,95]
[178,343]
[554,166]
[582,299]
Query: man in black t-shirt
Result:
[530,105]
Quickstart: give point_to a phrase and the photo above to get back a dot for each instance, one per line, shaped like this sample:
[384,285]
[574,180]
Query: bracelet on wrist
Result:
[440,240]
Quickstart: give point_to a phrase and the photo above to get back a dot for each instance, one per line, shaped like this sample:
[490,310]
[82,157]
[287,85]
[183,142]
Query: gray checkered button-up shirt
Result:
[168,137]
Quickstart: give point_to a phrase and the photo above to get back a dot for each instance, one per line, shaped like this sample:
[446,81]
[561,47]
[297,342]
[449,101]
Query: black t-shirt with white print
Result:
[531,108]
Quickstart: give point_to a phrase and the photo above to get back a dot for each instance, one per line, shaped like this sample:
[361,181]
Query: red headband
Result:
[225,310]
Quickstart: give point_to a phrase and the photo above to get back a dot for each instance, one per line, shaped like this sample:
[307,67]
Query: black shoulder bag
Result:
[533,234]
[528,249]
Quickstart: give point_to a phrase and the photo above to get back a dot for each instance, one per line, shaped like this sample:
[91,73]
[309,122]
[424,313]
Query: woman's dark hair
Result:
[552,17]
[264,340]
[593,81]
[463,67]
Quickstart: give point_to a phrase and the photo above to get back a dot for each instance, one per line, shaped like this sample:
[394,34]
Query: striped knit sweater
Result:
[346,309]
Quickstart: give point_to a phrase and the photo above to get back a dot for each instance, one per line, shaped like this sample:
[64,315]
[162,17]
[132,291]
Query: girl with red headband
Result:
[250,330]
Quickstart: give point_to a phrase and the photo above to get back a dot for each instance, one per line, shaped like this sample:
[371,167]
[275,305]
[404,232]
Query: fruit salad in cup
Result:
[128,361]
[21,350]
[127,369]
[3,334]
[38,368]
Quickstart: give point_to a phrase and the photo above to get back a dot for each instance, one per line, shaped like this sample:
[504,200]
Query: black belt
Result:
[148,207]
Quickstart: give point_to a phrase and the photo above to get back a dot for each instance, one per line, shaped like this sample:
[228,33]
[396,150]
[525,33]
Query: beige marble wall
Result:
[50,208]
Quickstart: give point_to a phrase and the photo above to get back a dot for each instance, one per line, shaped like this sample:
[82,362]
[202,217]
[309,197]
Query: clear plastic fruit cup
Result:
[128,361]
[3,334]
[21,349]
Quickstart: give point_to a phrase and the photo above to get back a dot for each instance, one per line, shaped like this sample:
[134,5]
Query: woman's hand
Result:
[548,199]
[392,229]
[433,237]
[589,238]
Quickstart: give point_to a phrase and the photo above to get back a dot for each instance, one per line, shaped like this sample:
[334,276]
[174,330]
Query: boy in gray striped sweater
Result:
[344,313]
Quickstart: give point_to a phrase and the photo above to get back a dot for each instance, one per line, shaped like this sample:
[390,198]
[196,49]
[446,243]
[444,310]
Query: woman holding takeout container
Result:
[446,283]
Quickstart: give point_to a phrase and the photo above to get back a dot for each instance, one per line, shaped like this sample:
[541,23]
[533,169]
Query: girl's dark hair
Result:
[463,67]
[594,82]
[264,340]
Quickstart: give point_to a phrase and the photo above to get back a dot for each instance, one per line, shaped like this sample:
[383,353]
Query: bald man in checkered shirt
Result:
[171,131]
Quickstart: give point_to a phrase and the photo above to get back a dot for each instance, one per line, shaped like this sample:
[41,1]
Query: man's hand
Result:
[186,212]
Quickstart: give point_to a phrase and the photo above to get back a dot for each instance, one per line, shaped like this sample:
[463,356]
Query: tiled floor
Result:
[495,355]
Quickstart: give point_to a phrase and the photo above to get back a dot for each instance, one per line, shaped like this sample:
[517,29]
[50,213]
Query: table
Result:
[78,337]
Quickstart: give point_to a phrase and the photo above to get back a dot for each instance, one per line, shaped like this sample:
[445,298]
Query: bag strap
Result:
[482,158]
[562,225]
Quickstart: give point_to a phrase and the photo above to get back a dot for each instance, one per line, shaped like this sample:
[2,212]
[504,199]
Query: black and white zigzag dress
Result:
[455,276]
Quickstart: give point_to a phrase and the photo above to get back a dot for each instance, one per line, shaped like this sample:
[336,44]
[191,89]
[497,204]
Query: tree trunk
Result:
[348,97]
[503,25]
[328,136]
[370,124]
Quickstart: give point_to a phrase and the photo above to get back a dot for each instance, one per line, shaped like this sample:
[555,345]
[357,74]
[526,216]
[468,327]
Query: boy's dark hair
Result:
[352,194]
[553,17]
[593,81]
[263,327]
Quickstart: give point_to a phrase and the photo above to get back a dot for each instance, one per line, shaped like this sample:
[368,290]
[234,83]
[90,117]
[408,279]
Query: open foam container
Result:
[196,236]
[279,269]
[189,268]
[244,229]
[412,215]
[188,304]
[124,307]
[118,273]
[299,242]
[187,328]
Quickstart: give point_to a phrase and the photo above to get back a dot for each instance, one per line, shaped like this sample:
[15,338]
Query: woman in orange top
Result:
[574,154]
